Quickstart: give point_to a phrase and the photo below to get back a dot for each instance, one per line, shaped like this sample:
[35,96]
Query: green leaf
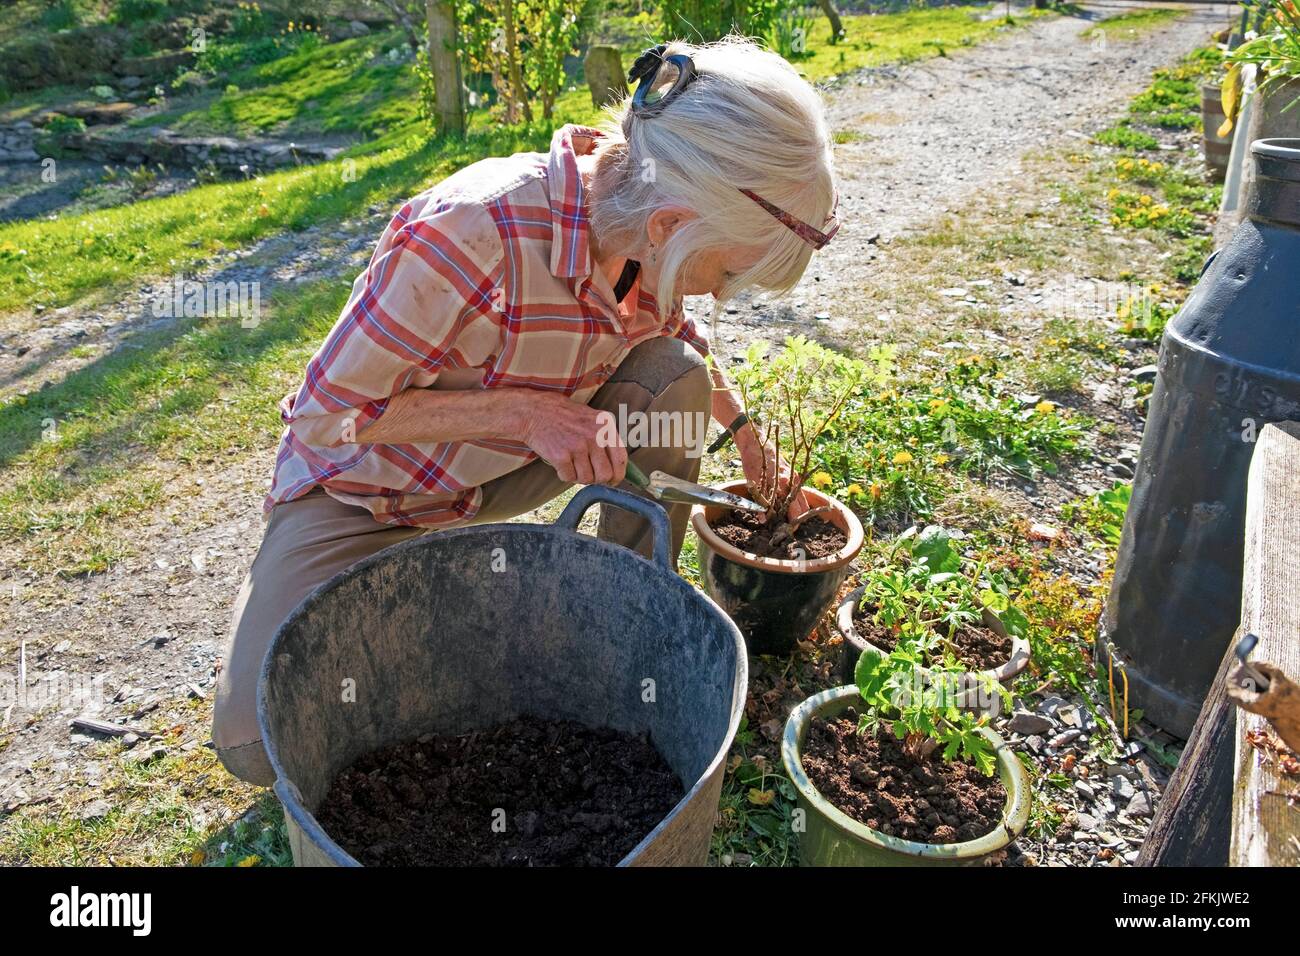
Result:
[934,546]
[869,674]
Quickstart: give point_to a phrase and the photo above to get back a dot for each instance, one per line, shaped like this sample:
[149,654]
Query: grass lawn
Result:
[1134,24]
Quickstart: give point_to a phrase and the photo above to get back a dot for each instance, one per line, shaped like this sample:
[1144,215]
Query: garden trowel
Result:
[662,486]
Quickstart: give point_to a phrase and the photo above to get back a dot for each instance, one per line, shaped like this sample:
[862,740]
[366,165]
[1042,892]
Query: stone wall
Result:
[163,146]
[18,143]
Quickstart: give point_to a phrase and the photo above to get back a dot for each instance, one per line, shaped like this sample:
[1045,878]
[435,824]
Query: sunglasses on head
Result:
[662,78]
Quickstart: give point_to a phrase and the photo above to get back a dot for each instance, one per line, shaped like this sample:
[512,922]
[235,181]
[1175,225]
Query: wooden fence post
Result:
[1265,803]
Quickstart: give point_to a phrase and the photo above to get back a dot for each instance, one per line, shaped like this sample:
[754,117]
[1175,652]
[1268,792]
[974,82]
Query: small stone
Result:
[1034,743]
[1084,789]
[96,810]
[1051,705]
[1139,806]
[1086,821]
[1043,532]
[1147,373]
[1029,724]
[149,754]
[130,740]
[822,316]
[1063,739]
[1069,716]
[1123,789]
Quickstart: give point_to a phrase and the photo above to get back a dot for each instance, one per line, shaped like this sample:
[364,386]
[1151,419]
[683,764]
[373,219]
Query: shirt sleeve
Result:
[431,274]
[690,333]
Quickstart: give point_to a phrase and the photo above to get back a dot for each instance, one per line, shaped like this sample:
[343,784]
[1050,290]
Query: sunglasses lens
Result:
[664,81]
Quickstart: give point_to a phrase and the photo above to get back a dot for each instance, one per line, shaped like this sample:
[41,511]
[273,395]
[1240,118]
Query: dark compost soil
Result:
[977,647]
[815,538]
[571,796]
[870,778]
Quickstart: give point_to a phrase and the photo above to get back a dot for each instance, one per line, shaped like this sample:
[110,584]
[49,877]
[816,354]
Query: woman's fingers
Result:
[799,506]
[565,472]
[602,469]
[582,469]
[618,463]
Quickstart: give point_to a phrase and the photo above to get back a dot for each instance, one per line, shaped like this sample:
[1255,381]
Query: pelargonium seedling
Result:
[920,706]
[927,600]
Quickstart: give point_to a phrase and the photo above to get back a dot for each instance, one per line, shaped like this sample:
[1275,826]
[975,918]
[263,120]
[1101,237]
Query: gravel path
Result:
[938,135]
[931,136]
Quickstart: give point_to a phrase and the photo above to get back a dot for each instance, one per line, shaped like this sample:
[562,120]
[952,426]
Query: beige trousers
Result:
[309,540]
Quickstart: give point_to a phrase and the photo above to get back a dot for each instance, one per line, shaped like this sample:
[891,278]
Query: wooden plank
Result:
[93,725]
[1192,822]
[1265,827]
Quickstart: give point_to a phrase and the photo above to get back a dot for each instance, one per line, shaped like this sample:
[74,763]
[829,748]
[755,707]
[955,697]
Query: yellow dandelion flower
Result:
[876,489]
[822,480]
[1044,408]
[903,458]
[853,490]
[941,459]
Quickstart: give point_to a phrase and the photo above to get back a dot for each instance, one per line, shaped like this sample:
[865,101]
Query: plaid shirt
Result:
[484,280]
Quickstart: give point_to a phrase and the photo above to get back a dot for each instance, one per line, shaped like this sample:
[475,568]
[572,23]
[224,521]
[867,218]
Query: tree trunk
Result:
[833,15]
[512,60]
[445,66]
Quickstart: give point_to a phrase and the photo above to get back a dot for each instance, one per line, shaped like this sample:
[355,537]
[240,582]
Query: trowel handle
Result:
[636,475]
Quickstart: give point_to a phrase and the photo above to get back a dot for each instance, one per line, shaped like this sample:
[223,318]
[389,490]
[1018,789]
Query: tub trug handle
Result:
[603,494]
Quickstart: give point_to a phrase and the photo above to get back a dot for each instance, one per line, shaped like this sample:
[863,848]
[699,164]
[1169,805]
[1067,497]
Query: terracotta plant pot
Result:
[832,838]
[855,643]
[774,602]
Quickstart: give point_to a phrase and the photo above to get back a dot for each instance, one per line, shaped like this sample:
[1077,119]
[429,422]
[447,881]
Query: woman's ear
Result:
[666,220]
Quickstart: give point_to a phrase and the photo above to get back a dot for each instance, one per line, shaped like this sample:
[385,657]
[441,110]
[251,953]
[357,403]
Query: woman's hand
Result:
[760,461]
[581,443]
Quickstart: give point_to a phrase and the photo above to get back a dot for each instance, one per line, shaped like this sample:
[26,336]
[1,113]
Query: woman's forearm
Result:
[430,415]
[727,405]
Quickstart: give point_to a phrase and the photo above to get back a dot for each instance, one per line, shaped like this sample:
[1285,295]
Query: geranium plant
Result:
[1275,51]
[919,704]
[791,398]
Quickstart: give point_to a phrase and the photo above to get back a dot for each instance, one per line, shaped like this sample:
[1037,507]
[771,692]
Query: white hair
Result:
[748,121]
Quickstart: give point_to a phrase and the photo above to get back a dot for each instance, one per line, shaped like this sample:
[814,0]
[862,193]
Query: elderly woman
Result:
[512,309]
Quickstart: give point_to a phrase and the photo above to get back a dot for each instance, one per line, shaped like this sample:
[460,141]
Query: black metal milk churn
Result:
[1229,364]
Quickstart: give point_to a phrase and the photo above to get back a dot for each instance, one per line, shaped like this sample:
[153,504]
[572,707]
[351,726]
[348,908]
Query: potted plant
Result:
[776,573]
[890,771]
[929,604]
[1274,52]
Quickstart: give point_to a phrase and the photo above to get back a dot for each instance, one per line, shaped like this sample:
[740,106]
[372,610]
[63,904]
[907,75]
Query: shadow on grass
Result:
[194,390]
[257,838]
